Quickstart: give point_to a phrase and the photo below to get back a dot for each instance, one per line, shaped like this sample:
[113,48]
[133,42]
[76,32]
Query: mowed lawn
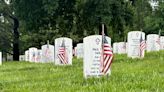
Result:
[128,75]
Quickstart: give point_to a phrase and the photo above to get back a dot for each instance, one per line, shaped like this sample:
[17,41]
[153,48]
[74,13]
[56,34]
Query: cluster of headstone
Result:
[50,53]
[91,51]
[43,55]
[136,44]
[62,53]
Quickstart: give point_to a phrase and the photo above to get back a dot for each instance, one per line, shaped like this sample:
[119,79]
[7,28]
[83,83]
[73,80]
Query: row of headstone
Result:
[136,44]
[92,51]
[61,54]
[45,54]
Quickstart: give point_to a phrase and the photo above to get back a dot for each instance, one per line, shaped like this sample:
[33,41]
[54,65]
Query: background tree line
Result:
[42,20]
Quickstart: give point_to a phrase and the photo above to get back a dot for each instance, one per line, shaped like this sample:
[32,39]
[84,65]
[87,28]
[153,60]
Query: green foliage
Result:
[6,32]
[128,75]
[42,20]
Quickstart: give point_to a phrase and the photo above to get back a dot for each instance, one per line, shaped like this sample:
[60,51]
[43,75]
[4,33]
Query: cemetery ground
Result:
[128,75]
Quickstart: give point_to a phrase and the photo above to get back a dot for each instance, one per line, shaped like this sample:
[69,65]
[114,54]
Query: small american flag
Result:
[124,47]
[33,56]
[62,54]
[107,54]
[142,46]
[47,53]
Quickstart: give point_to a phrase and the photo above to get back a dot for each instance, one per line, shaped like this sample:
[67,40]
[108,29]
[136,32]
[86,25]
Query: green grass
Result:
[128,75]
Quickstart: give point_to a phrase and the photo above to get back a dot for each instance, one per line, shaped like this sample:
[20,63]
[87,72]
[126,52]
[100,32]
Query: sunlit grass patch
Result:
[128,75]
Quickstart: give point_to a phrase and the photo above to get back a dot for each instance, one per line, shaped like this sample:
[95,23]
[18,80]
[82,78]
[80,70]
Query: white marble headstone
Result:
[22,58]
[66,44]
[0,58]
[80,50]
[126,47]
[27,55]
[121,47]
[75,49]
[92,56]
[32,54]
[39,56]
[115,47]
[153,42]
[48,53]
[162,42]
[134,39]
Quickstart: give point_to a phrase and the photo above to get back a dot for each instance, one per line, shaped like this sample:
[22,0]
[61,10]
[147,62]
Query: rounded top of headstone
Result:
[121,42]
[135,32]
[93,36]
[115,43]
[32,48]
[162,37]
[79,44]
[63,38]
[152,35]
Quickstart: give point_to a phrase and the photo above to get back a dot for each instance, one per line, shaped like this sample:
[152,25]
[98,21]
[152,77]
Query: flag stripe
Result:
[107,58]
[62,55]
[108,65]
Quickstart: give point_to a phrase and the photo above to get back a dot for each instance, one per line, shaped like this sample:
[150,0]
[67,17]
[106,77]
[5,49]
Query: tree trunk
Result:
[15,39]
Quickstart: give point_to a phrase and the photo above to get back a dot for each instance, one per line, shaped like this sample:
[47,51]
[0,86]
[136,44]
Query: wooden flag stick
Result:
[47,42]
